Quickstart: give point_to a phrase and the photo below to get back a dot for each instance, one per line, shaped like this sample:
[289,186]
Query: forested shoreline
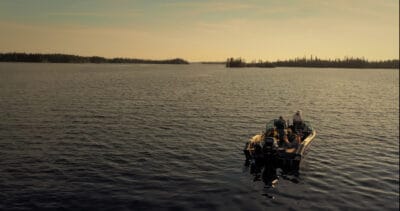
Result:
[316,62]
[230,62]
[67,58]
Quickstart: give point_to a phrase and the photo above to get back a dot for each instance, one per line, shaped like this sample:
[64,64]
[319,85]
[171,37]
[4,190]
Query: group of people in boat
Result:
[283,134]
[279,146]
[289,135]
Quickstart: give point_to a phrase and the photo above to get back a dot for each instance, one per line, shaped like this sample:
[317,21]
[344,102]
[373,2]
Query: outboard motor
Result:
[258,159]
[270,154]
[269,150]
[269,145]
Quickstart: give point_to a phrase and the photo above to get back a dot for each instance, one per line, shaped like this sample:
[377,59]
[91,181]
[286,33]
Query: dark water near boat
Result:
[168,137]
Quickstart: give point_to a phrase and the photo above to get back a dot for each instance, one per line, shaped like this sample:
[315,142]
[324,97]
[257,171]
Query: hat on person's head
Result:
[298,112]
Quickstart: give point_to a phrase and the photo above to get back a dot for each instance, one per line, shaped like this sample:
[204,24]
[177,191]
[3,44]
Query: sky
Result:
[202,30]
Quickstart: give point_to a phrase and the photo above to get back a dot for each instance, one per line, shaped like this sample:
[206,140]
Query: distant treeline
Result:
[65,58]
[316,62]
[239,62]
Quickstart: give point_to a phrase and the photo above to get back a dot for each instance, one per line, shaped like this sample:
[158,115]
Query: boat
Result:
[269,150]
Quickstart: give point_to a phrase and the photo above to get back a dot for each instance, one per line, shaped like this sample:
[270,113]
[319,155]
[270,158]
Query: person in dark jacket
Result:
[280,126]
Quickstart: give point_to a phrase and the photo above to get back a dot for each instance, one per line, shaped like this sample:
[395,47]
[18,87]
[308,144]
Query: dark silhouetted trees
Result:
[338,63]
[239,62]
[316,62]
[65,58]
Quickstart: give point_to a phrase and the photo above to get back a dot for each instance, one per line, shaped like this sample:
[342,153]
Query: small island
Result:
[66,58]
[316,62]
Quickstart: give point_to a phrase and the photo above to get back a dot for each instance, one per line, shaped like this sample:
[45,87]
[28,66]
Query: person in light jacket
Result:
[297,120]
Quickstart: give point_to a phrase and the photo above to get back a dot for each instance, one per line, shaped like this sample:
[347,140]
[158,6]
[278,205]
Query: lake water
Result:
[169,137]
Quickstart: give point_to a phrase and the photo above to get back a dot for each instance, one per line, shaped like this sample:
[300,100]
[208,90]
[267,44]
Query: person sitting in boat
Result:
[270,133]
[291,135]
[280,126]
[297,120]
[290,142]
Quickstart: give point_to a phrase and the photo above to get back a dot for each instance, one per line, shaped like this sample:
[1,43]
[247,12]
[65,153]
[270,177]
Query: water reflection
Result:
[270,174]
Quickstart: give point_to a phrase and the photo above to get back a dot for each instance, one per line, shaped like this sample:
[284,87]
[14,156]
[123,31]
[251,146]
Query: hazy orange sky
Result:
[202,30]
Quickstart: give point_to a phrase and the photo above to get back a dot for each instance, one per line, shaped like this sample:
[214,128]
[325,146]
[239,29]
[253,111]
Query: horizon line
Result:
[310,57]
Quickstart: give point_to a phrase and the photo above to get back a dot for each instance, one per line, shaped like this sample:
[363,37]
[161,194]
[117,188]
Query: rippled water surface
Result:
[169,137]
